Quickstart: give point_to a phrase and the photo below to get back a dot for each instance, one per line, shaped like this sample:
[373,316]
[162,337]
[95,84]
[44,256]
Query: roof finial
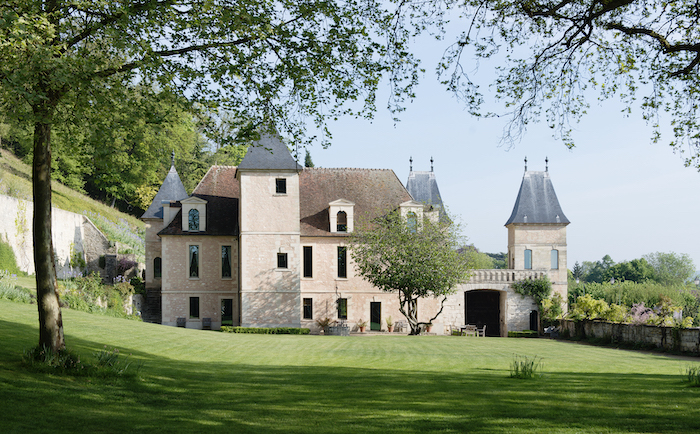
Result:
[431,163]
[546,164]
[526,163]
[172,158]
[410,160]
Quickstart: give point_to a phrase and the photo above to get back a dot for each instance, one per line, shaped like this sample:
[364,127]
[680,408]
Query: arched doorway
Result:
[483,307]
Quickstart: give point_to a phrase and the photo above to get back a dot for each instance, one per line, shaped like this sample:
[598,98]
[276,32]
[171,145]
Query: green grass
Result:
[195,381]
[16,181]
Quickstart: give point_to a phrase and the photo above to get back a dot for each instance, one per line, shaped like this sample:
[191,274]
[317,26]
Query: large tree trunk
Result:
[50,321]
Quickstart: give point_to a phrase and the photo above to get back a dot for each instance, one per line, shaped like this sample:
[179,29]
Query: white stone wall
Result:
[71,233]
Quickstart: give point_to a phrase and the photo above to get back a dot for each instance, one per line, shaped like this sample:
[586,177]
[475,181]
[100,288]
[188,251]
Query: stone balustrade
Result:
[504,276]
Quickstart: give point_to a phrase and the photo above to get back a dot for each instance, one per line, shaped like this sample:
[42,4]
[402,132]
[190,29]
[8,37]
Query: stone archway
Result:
[485,307]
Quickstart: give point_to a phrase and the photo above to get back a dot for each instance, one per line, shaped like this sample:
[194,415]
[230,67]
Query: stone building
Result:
[265,244]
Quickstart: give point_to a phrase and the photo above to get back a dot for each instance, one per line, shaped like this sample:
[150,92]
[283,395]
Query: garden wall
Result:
[668,338]
[71,233]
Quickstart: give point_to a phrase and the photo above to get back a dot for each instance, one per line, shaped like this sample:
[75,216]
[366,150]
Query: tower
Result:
[537,230]
[156,218]
[270,292]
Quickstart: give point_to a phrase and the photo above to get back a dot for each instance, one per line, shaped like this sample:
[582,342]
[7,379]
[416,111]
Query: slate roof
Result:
[219,188]
[269,153]
[423,187]
[537,202]
[171,190]
[374,191]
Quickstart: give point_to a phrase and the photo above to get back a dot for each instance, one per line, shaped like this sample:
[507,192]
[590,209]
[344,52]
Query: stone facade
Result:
[287,228]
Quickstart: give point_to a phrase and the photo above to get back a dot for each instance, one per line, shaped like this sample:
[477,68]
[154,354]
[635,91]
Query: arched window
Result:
[342,221]
[157,268]
[555,259]
[193,219]
[412,222]
[528,259]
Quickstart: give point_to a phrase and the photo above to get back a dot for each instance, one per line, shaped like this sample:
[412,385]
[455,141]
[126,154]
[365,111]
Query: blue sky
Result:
[623,195]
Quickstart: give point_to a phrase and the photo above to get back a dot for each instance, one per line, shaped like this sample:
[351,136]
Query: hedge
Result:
[266,330]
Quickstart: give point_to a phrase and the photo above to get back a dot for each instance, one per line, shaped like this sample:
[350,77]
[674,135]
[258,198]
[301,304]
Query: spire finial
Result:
[546,164]
[172,158]
[410,160]
[526,163]
[431,163]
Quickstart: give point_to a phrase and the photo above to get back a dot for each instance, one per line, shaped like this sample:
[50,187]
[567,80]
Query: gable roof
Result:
[537,202]
[374,191]
[269,153]
[424,189]
[171,190]
[219,188]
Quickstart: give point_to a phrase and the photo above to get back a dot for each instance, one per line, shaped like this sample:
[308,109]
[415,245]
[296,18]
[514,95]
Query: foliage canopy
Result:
[559,54]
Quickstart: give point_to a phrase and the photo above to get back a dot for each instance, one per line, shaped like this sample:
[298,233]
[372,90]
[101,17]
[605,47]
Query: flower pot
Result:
[390,328]
[428,328]
[362,329]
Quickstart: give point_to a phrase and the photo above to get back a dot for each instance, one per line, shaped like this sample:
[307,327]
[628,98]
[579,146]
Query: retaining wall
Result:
[668,338]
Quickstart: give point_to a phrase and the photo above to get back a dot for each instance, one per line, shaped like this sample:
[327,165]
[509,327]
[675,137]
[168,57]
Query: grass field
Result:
[196,381]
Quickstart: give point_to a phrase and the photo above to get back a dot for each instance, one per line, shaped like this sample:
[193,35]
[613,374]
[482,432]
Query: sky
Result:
[625,197]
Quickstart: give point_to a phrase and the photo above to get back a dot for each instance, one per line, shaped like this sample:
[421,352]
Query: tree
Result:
[281,62]
[308,162]
[636,270]
[558,53]
[671,268]
[395,256]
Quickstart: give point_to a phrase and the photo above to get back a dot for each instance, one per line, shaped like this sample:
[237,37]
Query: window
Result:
[342,221]
[555,259]
[342,308]
[194,307]
[528,259]
[308,261]
[308,308]
[157,268]
[193,220]
[194,261]
[342,262]
[281,260]
[225,261]
[281,186]
[411,222]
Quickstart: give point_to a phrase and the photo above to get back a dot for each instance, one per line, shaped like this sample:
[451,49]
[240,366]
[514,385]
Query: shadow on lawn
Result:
[176,396]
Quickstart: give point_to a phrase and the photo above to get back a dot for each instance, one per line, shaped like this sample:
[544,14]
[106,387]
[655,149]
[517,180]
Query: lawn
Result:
[196,381]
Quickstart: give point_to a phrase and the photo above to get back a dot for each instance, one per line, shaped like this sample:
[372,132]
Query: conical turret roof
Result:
[537,202]
[171,190]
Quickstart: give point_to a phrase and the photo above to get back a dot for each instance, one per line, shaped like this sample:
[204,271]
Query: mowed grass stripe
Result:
[195,381]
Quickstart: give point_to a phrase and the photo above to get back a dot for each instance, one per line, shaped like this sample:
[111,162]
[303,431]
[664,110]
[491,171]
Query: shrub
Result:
[587,307]
[7,257]
[524,367]
[539,289]
[692,375]
[10,291]
[266,330]
[523,334]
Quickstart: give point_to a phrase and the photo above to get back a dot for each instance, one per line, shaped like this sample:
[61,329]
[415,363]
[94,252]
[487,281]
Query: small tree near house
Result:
[413,262]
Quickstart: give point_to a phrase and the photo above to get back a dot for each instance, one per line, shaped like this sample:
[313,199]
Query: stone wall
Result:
[687,340]
[72,233]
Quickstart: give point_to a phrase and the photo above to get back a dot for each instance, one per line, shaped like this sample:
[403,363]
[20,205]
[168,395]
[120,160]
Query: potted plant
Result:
[428,327]
[324,323]
[389,324]
[362,324]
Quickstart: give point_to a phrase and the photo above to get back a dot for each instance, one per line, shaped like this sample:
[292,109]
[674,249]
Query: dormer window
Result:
[340,214]
[342,223]
[193,220]
[194,214]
